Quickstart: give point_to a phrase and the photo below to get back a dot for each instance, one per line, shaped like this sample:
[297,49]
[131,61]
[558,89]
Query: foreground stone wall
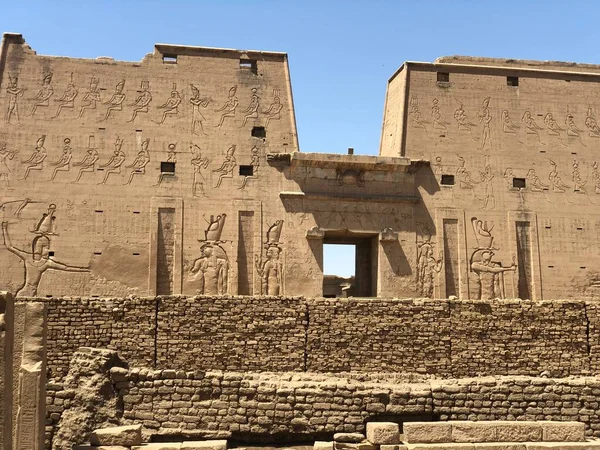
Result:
[437,337]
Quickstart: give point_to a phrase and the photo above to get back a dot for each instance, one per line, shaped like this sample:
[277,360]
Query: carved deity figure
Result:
[211,270]
[464,176]
[115,162]
[490,283]
[171,106]
[572,129]
[438,122]
[88,163]
[596,176]
[462,120]
[274,111]
[91,97]
[534,182]
[14,92]
[138,166]
[487,177]
[4,169]
[578,182]
[255,164]
[592,124]
[270,271]
[142,101]
[485,118]
[532,127]
[226,169]
[252,109]
[36,160]
[552,126]
[507,125]
[557,183]
[116,101]
[68,98]
[64,162]
[42,98]
[37,262]
[229,107]
[427,267]
[198,162]
[197,101]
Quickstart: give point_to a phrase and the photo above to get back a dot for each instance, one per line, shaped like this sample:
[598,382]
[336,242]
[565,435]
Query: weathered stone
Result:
[383,433]
[354,446]
[427,432]
[349,437]
[518,431]
[445,446]
[465,431]
[6,369]
[563,431]
[125,436]
[158,446]
[204,445]
[325,445]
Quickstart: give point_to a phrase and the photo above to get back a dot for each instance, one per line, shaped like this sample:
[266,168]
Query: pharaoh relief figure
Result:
[140,105]
[115,103]
[14,92]
[64,162]
[489,273]
[36,160]
[229,107]
[211,270]
[39,259]
[274,110]
[196,101]
[67,101]
[91,97]
[427,266]
[270,269]
[171,106]
[42,98]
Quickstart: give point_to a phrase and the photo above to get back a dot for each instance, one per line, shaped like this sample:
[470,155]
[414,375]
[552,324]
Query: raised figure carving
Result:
[427,267]
[36,160]
[274,111]
[37,261]
[226,169]
[14,92]
[507,125]
[142,100]
[197,102]
[138,166]
[578,182]
[462,120]
[270,270]
[198,162]
[555,180]
[485,118]
[88,163]
[64,162]
[116,101]
[215,228]
[229,107]
[171,106]
[596,177]
[464,176]
[438,122]
[255,164]
[591,124]
[5,171]
[487,177]
[68,98]
[91,97]
[115,162]
[252,109]
[531,126]
[490,278]
[42,98]
[211,270]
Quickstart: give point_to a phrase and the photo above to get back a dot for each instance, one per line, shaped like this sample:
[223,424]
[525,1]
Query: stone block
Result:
[100,447]
[427,432]
[383,433]
[158,446]
[354,446]
[465,431]
[349,437]
[126,436]
[595,445]
[443,446]
[562,431]
[323,445]
[392,447]
[213,444]
[500,446]
[512,431]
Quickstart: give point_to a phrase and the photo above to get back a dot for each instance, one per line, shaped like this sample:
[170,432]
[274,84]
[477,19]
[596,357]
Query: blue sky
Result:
[341,52]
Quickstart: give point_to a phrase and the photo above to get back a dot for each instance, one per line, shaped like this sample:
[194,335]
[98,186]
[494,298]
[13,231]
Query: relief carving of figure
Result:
[116,101]
[464,176]
[591,124]
[36,160]
[91,97]
[462,120]
[198,163]
[211,270]
[270,270]
[557,183]
[596,176]
[274,111]
[64,162]
[418,120]
[487,177]
[38,260]
[171,157]
[115,162]
[197,101]
[14,92]
[68,98]
[531,126]
[427,268]
[171,106]
[252,109]
[229,107]
[4,169]
[88,163]
[534,182]
[578,182]
[438,122]
[42,98]
[138,166]
[507,125]
[255,164]
[142,101]
[484,119]
[226,169]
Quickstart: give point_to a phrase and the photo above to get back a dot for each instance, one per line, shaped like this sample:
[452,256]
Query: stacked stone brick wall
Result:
[231,333]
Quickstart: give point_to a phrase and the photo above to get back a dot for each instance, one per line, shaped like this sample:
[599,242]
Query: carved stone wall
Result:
[6,369]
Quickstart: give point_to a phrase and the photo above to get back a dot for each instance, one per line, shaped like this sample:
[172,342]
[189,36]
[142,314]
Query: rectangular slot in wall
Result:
[451,266]
[165,251]
[524,260]
[245,252]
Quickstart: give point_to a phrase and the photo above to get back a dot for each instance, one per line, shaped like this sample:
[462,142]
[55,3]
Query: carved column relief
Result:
[245,252]
[6,367]
[524,259]
[451,252]
[29,376]
[165,251]
[525,245]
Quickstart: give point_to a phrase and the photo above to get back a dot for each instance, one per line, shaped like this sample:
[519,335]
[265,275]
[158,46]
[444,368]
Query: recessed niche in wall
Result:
[167,167]
[246,171]
[520,183]
[447,180]
[259,132]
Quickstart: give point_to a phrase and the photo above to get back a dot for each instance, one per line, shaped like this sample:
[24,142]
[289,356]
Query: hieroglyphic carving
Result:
[531,126]
[68,98]
[596,177]
[462,120]
[578,182]
[91,97]
[42,98]
[36,160]
[211,270]
[142,101]
[171,106]
[427,265]
[487,176]
[226,169]
[464,176]
[138,166]
[255,164]
[198,163]
[38,260]
[534,182]
[507,125]
[5,172]
[88,163]
[557,184]
[197,102]
[64,162]
[116,101]
[171,157]
[418,121]
[438,122]
[274,111]
[6,369]
[485,118]
[490,274]
[270,269]
[350,176]
[592,124]
[251,112]
[113,165]
[14,92]
[229,107]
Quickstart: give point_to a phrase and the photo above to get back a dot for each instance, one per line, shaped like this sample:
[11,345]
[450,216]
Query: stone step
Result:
[493,431]
[592,445]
